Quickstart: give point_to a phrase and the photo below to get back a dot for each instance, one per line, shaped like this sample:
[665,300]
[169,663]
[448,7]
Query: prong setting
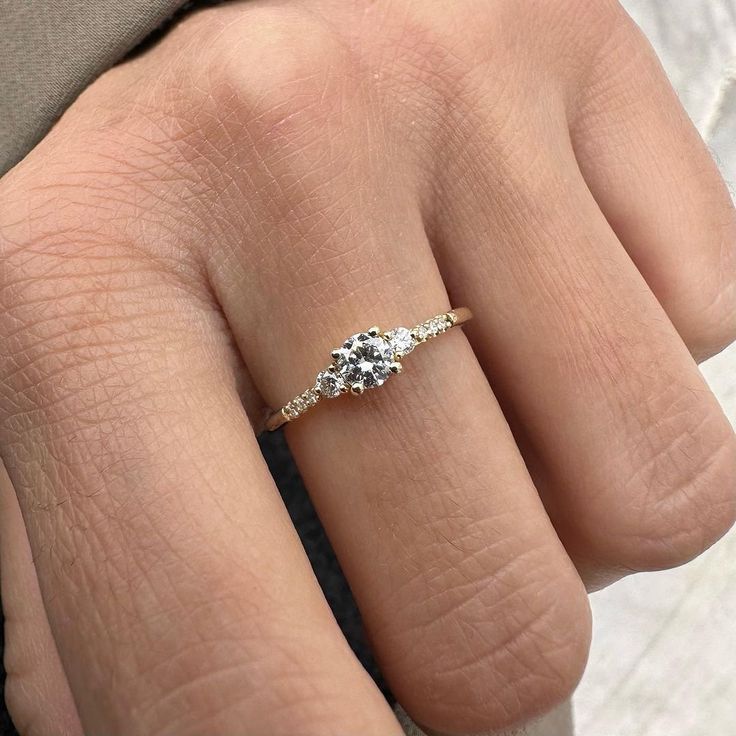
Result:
[365,361]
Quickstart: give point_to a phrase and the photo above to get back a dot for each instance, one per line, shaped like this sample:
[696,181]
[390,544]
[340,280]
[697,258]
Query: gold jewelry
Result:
[366,360]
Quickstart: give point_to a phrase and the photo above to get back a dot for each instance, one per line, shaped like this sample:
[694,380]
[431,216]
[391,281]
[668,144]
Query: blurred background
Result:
[663,661]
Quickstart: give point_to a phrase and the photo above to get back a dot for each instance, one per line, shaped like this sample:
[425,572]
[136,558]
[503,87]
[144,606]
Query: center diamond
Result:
[364,360]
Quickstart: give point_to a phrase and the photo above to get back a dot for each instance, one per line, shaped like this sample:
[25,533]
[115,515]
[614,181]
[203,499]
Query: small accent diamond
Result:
[329,384]
[364,361]
[401,341]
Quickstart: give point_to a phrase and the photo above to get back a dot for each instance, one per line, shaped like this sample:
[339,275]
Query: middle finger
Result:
[629,447]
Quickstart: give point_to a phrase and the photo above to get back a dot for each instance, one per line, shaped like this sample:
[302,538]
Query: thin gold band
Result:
[385,349]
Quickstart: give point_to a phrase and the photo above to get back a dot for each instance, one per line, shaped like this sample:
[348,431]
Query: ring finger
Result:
[476,614]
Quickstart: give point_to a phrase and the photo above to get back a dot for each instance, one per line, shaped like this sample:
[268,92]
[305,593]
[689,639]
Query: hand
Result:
[202,227]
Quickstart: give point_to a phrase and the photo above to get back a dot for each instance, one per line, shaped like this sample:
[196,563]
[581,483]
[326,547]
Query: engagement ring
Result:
[364,361]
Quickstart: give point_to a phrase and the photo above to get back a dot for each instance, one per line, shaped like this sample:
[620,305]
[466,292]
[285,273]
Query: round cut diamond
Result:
[364,360]
[401,341]
[329,384]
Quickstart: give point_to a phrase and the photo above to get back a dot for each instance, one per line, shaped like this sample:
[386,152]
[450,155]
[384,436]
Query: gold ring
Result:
[366,360]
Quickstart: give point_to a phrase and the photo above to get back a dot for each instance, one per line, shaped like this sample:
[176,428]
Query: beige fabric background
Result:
[50,51]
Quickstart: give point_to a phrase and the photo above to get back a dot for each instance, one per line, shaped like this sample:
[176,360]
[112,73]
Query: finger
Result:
[632,452]
[659,187]
[36,690]
[176,588]
[477,616]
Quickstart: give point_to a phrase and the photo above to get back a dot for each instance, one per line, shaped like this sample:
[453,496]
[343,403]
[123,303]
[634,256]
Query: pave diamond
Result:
[364,360]
[433,327]
[329,384]
[401,341]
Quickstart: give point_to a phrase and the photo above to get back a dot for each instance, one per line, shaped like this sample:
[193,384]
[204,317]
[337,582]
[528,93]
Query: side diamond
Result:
[401,341]
[329,384]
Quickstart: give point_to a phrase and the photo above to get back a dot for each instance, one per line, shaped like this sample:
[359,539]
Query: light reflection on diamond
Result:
[401,341]
[365,360]
[329,384]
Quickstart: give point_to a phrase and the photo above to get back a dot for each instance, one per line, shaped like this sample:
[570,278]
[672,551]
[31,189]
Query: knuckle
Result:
[711,324]
[514,651]
[278,71]
[85,326]
[264,676]
[94,192]
[273,81]
[284,72]
[684,488]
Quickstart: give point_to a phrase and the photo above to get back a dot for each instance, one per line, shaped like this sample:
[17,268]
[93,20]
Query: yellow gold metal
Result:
[421,333]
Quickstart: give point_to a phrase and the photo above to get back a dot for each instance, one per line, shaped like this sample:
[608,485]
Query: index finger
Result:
[177,590]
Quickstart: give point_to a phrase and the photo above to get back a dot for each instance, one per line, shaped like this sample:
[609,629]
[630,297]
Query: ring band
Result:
[366,360]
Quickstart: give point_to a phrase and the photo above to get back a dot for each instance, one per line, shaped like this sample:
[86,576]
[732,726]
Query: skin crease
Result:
[271,166]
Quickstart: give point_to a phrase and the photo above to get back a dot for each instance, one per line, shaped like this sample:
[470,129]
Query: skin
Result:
[208,220]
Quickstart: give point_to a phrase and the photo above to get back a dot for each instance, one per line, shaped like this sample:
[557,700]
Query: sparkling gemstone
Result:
[365,360]
[329,384]
[439,324]
[401,341]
